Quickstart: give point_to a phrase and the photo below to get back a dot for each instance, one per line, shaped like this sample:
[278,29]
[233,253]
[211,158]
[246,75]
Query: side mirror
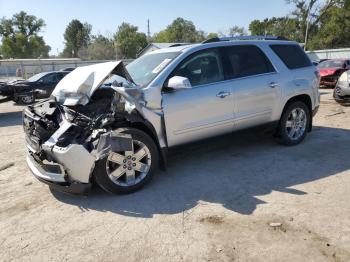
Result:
[179,82]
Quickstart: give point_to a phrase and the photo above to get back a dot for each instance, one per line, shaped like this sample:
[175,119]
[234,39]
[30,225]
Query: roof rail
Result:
[247,37]
[178,44]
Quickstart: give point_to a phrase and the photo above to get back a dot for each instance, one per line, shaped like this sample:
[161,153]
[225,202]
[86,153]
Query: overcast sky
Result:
[106,15]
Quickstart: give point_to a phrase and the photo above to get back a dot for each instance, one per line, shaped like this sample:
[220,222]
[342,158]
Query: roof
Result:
[173,49]
[165,45]
[183,48]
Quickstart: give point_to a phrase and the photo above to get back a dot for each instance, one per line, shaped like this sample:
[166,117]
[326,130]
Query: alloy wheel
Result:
[129,167]
[27,99]
[296,123]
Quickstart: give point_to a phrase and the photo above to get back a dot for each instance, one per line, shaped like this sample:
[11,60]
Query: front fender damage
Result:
[112,142]
[81,134]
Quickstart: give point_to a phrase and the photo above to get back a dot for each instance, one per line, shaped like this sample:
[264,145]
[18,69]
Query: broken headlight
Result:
[71,98]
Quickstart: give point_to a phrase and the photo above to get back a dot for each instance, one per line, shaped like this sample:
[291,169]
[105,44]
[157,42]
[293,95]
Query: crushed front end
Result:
[63,142]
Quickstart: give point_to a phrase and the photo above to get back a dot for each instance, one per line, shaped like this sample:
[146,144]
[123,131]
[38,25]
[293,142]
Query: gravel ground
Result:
[236,198]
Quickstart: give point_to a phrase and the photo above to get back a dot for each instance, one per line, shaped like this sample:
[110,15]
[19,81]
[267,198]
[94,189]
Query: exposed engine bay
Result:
[60,134]
[105,109]
[84,123]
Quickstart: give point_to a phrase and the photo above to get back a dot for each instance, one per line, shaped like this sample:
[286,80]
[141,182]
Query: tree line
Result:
[320,24]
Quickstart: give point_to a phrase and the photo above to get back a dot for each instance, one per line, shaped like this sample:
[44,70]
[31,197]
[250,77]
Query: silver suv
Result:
[113,124]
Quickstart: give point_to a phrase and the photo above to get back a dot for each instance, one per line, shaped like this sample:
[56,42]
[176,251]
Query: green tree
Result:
[212,35]
[100,48]
[236,31]
[277,26]
[333,29]
[19,37]
[128,41]
[180,31]
[309,13]
[257,27]
[76,36]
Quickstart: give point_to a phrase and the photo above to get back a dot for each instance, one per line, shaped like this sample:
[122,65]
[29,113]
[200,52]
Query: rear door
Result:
[204,110]
[304,75]
[254,84]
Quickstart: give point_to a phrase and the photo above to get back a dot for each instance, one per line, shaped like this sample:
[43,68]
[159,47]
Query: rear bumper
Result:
[315,110]
[54,175]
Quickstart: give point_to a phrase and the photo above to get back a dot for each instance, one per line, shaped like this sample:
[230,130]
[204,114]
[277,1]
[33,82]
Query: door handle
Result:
[223,94]
[273,84]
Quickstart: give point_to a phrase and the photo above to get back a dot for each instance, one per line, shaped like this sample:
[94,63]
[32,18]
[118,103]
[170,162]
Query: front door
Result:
[206,109]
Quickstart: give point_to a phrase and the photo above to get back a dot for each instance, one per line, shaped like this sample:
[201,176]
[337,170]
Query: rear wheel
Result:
[294,124]
[127,171]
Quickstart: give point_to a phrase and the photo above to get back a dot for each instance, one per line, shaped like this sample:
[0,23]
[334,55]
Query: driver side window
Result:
[201,68]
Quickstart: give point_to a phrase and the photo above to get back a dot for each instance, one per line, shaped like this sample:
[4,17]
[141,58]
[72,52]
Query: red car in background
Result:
[330,71]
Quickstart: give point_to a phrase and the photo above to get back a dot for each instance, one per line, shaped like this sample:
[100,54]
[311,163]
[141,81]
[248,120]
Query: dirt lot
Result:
[216,202]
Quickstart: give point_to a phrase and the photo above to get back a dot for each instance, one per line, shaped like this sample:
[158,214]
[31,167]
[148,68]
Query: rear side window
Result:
[50,78]
[292,56]
[247,60]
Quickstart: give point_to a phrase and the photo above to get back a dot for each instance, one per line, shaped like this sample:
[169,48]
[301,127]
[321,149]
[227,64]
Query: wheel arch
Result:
[145,126]
[305,98]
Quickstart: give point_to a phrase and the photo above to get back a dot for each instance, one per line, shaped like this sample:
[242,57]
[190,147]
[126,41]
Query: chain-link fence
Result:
[26,68]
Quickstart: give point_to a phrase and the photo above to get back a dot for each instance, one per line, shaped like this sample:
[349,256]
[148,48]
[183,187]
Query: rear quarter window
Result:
[292,56]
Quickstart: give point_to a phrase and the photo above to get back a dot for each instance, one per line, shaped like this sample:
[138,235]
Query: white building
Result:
[155,46]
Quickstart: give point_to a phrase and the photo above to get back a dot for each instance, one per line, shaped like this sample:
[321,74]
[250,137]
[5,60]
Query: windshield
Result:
[36,77]
[332,63]
[144,69]
[118,81]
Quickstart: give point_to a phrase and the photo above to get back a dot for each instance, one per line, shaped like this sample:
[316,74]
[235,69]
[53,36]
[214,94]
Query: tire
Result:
[340,100]
[296,117]
[116,176]
[26,99]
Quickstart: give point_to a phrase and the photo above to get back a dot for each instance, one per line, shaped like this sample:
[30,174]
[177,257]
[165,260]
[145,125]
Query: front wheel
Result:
[127,171]
[26,99]
[294,124]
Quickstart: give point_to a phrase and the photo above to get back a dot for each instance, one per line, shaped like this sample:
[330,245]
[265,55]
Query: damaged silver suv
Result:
[112,124]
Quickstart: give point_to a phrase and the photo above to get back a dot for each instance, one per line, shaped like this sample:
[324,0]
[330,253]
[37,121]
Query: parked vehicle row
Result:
[113,124]
[27,91]
[330,71]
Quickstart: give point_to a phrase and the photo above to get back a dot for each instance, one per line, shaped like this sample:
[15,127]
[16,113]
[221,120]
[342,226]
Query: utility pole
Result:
[148,31]
[307,27]
[308,21]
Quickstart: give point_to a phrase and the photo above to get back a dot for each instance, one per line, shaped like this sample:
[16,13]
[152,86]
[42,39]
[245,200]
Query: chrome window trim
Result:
[225,81]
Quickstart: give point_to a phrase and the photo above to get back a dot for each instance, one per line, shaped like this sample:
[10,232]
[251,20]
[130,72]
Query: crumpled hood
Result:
[87,79]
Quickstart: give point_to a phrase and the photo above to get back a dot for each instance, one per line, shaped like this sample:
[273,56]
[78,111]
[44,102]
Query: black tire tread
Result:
[282,137]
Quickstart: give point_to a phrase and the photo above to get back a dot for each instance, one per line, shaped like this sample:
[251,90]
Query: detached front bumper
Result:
[67,168]
[54,175]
